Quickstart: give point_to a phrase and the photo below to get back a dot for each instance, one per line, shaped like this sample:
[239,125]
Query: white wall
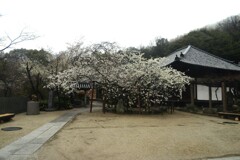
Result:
[203,93]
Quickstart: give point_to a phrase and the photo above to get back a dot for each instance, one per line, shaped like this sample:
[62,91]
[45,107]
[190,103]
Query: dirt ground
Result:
[110,136]
[28,124]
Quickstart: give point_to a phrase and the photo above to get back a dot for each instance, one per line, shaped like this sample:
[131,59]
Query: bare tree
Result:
[7,41]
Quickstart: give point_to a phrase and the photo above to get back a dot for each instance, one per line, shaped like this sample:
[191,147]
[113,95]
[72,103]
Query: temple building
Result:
[215,80]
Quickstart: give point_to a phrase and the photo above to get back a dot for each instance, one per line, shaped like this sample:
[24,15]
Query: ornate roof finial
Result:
[181,55]
[177,58]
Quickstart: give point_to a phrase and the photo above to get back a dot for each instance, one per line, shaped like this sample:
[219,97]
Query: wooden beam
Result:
[224,97]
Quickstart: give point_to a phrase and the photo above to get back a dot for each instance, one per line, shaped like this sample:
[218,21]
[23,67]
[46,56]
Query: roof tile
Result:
[196,56]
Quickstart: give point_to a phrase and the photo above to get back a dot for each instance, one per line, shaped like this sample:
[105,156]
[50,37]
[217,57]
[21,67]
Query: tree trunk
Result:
[35,89]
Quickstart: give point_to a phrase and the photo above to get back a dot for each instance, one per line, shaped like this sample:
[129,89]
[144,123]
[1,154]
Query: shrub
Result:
[192,108]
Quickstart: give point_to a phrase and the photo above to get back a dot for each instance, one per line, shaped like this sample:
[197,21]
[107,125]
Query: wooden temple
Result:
[214,78]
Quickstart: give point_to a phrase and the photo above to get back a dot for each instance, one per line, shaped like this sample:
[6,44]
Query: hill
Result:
[222,39]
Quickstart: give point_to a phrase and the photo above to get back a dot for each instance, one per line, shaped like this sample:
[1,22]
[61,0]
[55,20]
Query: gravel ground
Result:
[98,136]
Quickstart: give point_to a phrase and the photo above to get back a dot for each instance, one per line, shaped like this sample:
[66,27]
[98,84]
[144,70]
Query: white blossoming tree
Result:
[137,81]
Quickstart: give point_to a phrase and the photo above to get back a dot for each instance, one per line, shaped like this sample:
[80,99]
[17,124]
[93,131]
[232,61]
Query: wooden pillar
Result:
[104,101]
[195,91]
[224,97]
[235,99]
[210,96]
[192,93]
[92,97]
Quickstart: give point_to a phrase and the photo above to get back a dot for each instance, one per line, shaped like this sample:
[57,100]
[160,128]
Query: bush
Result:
[236,108]
[192,108]
[62,102]
[43,104]
[210,110]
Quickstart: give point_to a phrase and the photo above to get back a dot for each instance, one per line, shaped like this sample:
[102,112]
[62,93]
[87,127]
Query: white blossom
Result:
[123,75]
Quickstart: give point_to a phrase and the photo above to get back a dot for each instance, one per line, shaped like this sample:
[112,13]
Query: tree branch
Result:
[23,36]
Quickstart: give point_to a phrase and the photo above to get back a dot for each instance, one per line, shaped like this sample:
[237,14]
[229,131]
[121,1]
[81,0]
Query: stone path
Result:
[24,147]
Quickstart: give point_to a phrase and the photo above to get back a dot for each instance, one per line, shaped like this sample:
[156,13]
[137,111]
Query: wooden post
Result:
[92,97]
[210,96]
[235,99]
[192,93]
[104,101]
[224,97]
[195,91]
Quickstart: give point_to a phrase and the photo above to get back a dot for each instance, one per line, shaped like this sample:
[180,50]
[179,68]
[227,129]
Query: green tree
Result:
[159,49]
[222,40]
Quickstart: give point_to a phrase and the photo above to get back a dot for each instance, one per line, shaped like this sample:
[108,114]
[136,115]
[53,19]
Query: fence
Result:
[13,104]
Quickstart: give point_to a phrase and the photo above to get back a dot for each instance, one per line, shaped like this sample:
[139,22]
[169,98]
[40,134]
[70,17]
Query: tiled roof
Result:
[196,56]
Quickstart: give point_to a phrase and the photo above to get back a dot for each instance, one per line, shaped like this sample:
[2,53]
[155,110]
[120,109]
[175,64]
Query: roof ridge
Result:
[187,49]
[228,61]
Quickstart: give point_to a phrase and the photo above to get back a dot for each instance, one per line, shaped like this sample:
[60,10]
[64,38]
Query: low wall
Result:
[13,104]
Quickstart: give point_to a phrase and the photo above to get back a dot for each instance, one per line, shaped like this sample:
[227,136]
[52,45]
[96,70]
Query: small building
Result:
[214,79]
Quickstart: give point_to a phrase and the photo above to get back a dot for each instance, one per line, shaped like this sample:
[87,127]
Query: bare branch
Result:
[23,36]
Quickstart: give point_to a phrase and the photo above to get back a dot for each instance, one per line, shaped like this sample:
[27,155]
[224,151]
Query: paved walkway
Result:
[24,147]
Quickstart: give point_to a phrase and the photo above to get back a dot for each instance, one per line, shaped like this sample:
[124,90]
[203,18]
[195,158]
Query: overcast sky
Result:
[127,22]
